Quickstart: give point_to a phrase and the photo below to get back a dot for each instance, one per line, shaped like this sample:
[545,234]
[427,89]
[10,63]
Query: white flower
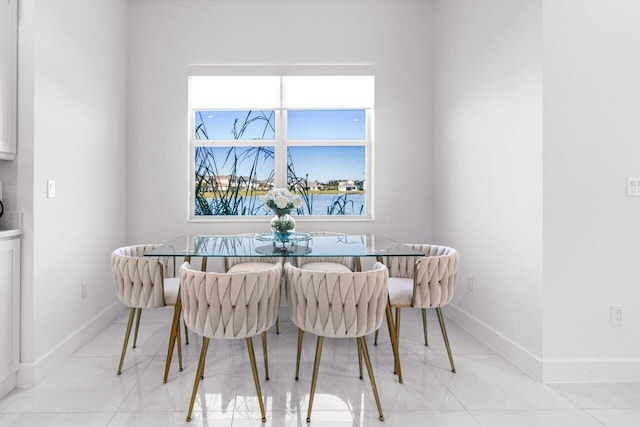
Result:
[297,202]
[281,202]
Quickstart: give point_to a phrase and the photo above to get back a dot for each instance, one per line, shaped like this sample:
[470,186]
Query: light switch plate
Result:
[51,188]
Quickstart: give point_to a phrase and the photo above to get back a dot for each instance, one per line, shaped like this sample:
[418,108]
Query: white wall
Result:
[168,36]
[488,167]
[71,129]
[591,228]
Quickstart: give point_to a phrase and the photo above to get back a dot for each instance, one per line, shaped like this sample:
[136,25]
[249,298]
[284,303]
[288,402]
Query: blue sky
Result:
[321,163]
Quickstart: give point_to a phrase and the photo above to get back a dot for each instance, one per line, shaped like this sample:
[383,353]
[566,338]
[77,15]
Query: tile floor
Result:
[486,390]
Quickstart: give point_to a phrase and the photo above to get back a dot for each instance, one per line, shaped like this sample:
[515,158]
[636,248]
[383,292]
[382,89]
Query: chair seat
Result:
[400,291]
[332,267]
[171,289]
[248,267]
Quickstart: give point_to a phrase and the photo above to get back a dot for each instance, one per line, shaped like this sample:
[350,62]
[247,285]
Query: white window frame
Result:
[281,142]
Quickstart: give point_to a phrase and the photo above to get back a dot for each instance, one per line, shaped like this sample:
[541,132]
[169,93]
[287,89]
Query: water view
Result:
[319,204]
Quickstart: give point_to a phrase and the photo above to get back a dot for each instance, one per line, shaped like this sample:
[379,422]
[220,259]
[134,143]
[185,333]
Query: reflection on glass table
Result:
[356,245]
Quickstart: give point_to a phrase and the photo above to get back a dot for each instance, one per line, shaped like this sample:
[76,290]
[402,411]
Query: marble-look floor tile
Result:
[491,382]
[535,418]
[420,390]
[79,385]
[217,391]
[171,419]
[601,395]
[617,417]
[431,418]
[487,390]
[152,337]
[87,419]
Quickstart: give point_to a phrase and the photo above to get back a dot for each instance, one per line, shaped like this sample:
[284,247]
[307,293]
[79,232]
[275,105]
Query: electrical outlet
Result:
[616,315]
[633,186]
[470,283]
[84,289]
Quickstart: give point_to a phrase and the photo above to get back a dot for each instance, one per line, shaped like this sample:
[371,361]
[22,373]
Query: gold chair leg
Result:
[375,338]
[277,325]
[363,344]
[178,337]
[135,335]
[300,335]
[196,382]
[424,326]
[397,337]
[172,337]
[265,356]
[132,313]
[359,357]
[186,334]
[446,338]
[256,380]
[394,342]
[314,378]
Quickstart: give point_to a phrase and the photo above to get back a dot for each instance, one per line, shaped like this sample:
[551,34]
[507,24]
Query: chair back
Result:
[347,261]
[434,274]
[139,280]
[231,261]
[337,305]
[230,305]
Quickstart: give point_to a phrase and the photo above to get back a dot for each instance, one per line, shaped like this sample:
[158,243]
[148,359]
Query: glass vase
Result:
[283,225]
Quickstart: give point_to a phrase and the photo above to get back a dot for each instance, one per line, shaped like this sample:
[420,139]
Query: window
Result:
[309,132]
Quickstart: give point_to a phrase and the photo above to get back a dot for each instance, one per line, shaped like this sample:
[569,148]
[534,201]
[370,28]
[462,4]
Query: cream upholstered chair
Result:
[249,263]
[423,282]
[229,306]
[337,264]
[337,305]
[143,282]
[343,264]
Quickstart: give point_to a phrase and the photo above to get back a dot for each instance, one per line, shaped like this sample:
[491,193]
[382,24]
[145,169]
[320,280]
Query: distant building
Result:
[224,182]
[313,185]
[347,186]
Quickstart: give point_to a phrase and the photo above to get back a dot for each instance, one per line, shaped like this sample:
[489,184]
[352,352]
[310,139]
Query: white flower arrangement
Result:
[281,201]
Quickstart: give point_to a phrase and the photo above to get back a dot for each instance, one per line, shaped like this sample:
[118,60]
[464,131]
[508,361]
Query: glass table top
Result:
[301,245]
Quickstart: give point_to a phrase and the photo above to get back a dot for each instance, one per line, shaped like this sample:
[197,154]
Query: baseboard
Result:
[8,384]
[549,371]
[31,373]
[509,349]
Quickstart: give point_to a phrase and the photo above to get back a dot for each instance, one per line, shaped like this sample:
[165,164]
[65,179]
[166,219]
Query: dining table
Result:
[298,244]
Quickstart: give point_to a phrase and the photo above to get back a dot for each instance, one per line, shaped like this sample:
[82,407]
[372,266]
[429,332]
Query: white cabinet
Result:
[8,77]
[9,311]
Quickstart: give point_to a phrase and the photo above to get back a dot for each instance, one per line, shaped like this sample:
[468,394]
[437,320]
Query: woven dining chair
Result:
[338,305]
[423,282]
[343,264]
[252,263]
[143,282]
[229,306]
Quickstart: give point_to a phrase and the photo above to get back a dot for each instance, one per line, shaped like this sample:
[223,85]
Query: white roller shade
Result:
[328,92]
[231,92]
